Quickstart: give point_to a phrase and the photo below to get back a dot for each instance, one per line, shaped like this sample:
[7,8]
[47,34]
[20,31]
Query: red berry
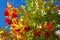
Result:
[37,33]
[13,26]
[14,15]
[8,21]
[15,9]
[5,34]
[26,29]
[18,30]
[52,31]
[46,35]
[48,25]
[6,13]
[58,7]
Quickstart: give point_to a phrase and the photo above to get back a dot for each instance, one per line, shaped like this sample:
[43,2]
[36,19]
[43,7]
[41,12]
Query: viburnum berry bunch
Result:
[37,22]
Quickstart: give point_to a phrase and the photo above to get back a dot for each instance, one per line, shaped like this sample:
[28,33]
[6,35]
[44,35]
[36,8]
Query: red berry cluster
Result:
[37,33]
[48,25]
[58,7]
[18,30]
[14,15]
[46,35]
[6,13]
[26,29]
[8,21]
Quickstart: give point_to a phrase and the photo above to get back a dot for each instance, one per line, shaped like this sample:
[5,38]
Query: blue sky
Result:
[15,3]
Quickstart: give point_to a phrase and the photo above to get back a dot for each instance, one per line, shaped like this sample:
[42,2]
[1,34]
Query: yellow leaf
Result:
[23,7]
[37,5]
[18,36]
[14,20]
[9,5]
[34,12]
[21,19]
[17,26]
[1,32]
